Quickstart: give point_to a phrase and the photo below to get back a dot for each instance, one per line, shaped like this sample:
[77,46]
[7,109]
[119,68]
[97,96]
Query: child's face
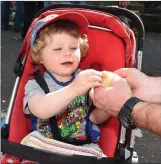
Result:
[61,55]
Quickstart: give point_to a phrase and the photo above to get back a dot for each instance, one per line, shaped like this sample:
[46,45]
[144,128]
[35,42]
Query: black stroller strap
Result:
[54,127]
[41,81]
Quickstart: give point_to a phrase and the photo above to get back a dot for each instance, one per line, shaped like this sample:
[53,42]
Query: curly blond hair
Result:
[59,26]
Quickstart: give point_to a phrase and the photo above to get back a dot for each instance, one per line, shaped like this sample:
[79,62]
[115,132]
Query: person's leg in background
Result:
[28,16]
[5,14]
[19,16]
[47,3]
[40,5]
[30,9]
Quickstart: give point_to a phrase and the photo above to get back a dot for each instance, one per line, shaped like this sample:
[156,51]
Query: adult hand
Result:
[85,80]
[143,86]
[111,99]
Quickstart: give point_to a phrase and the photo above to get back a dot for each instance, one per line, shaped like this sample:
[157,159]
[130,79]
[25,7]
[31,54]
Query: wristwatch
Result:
[124,115]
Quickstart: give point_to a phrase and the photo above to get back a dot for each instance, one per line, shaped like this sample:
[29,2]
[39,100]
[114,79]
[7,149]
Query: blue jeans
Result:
[5,14]
[19,15]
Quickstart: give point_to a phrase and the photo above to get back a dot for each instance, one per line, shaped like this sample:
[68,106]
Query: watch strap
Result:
[126,111]
[131,102]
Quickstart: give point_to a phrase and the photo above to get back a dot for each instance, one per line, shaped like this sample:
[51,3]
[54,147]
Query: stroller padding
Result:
[107,51]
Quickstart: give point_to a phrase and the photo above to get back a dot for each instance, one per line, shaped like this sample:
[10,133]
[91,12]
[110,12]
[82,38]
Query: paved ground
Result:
[149,146]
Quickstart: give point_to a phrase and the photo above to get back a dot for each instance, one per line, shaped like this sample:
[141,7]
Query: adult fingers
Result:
[92,96]
[91,93]
[101,92]
[123,72]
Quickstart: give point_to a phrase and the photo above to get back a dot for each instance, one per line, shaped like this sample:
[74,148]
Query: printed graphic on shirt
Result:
[70,121]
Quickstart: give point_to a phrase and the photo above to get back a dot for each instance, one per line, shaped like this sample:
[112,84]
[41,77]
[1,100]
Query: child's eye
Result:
[57,49]
[73,48]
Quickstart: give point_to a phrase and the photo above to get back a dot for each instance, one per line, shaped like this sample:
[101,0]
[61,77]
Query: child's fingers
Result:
[95,78]
[94,84]
[94,73]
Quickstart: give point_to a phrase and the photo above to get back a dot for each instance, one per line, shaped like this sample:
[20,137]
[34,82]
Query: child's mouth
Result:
[67,63]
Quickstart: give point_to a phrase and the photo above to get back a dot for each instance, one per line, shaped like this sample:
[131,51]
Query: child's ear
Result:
[84,36]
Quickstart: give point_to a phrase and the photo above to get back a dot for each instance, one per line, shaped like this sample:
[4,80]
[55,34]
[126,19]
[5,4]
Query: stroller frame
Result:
[123,145]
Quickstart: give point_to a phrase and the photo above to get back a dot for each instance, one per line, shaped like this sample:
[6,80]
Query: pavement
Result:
[148,146]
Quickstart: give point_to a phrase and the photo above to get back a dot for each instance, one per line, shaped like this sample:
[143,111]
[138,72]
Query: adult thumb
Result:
[123,72]
[91,94]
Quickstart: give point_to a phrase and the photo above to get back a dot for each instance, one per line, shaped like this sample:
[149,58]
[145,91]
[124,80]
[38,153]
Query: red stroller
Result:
[112,46]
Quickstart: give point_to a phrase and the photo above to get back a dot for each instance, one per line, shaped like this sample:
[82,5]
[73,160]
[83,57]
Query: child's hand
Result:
[85,80]
[99,116]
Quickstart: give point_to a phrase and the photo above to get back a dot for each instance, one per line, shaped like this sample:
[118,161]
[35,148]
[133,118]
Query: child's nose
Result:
[68,53]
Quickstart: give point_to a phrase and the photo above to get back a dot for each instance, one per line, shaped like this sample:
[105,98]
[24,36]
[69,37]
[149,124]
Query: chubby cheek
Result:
[77,57]
[78,54]
[50,62]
